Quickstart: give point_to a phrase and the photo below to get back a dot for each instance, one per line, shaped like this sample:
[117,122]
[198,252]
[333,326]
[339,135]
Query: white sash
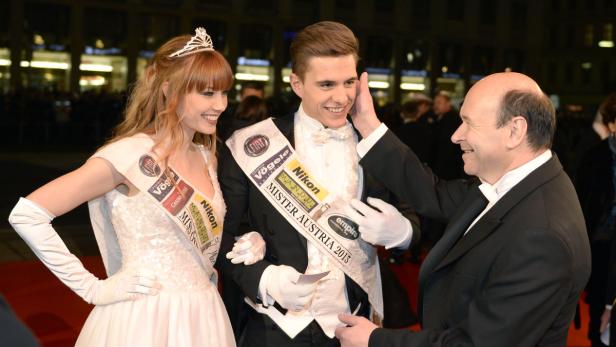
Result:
[270,162]
[188,208]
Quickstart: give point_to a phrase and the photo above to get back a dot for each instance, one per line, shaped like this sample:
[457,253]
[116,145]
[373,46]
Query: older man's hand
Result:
[357,333]
[363,113]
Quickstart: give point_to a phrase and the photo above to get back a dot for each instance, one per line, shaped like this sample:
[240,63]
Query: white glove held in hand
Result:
[33,224]
[282,287]
[383,226]
[248,249]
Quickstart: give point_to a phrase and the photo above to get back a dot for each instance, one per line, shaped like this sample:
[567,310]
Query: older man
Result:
[514,258]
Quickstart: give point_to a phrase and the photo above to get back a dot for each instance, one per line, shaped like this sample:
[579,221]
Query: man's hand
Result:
[383,226]
[363,114]
[248,249]
[605,319]
[357,333]
[282,286]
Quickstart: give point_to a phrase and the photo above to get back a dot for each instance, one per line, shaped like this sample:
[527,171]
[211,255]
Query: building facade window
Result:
[261,6]
[105,43]
[487,12]
[5,53]
[46,60]
[153,31]
[306,8]
[254,62]
[482,61]
[346,10]
[519,19]
[589,35]
[455,9]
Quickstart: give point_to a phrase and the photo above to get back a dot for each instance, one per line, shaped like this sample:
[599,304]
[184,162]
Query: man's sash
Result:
[270,162]
[188,208]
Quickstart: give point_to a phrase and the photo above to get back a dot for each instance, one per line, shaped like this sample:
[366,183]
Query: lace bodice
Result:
[149,239]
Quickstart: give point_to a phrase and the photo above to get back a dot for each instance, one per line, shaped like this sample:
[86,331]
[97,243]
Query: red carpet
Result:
[55,314]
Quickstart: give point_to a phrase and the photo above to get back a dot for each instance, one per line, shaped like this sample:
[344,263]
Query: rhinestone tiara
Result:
[198,43]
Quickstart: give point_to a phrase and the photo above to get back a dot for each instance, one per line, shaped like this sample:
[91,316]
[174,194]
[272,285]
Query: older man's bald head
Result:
[500,83]
[511,94]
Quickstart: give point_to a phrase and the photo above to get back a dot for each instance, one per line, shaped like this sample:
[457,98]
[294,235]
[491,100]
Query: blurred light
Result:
[99,44]
[251,77]
[586,65]
[252,62]
[410,57]
[444,69]
[378,84]
[92,81]
[412,86]
[96,67]
[48,76]
[38,39]
[60,66]
[508,69]
[44,64]
[606,44]
[286,79]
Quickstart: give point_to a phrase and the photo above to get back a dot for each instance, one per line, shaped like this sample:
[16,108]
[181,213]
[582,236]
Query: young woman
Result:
[156,209]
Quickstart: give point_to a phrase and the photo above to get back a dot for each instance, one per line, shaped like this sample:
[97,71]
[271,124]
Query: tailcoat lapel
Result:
[492,219]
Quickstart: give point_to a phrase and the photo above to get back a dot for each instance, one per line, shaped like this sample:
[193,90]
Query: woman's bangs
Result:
[211,71]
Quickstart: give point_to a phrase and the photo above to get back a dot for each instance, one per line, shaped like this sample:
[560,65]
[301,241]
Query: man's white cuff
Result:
[265,299]
[366,144]
[406,238]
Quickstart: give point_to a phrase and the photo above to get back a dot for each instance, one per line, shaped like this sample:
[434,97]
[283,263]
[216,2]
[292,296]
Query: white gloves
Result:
[33,224]
[248,249]
[383,226]
[282,286]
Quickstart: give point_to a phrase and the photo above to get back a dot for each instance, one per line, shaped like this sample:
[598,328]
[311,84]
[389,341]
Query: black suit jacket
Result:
[284,244]
[514,279]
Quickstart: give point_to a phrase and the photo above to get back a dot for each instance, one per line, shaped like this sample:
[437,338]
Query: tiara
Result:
[198,43]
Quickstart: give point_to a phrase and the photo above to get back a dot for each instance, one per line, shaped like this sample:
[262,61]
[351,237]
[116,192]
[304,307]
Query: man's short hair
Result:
[322,39]
[538,111]
[608,109]
[445,94]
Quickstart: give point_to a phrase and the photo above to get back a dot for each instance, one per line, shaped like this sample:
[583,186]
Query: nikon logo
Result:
[305,179]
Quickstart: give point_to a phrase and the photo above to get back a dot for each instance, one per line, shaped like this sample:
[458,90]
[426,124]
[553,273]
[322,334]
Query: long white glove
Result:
[248,249]
[33,224]
[383,226]
[282,286]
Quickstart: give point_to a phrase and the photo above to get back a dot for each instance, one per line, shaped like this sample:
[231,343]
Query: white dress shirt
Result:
[494,192]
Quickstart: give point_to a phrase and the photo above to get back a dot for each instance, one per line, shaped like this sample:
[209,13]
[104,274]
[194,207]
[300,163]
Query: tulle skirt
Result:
[196,318]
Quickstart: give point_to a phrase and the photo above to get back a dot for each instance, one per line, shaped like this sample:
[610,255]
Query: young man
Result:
[291,175]
[514,258]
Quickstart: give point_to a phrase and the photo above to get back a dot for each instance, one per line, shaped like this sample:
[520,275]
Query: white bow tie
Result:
[323,136]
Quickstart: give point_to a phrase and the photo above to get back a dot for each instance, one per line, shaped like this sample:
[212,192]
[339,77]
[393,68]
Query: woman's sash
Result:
[189,209]
[270,162]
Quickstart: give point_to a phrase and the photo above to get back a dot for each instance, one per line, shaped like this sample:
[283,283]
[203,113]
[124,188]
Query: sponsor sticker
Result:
[163,186]
[343,226]
[256,145]
[148,166]
[265,170]
[211,217]
[178,198]
[298,193]
[306,180]
[199,224]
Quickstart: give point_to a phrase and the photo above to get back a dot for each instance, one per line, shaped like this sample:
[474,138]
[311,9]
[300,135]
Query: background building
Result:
[406,45]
